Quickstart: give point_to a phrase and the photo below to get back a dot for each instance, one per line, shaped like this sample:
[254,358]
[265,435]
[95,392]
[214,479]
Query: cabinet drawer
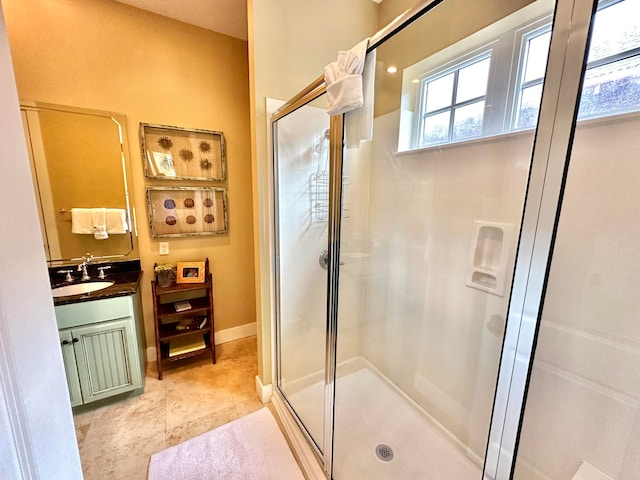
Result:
[75,314]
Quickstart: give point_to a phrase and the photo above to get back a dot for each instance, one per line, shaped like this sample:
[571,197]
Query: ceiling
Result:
[224,16]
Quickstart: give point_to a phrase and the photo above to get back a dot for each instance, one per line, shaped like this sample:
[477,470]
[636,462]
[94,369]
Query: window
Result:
[470,99]
[453,102]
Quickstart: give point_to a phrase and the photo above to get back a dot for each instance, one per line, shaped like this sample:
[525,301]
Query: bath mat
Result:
[249,448]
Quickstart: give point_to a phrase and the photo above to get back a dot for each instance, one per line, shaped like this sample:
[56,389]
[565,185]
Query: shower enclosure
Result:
[439,288]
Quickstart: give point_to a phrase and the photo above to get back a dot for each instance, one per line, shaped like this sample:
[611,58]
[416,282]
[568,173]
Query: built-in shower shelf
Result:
[488,280]
[488,256]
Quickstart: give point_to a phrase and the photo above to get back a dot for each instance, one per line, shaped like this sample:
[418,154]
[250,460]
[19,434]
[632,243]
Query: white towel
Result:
[81,221]
[99,220]
[116,220]
[344,79]
[359,122]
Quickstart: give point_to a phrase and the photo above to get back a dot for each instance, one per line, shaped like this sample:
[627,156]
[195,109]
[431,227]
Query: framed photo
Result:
[190,272]
[186,211]
[173,153]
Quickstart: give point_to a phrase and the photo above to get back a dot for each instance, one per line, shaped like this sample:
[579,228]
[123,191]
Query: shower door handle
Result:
[323,260]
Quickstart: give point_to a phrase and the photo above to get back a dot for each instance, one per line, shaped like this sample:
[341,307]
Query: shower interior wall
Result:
[420,325]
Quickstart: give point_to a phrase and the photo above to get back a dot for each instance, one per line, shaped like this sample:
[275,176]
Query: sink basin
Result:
[79,288]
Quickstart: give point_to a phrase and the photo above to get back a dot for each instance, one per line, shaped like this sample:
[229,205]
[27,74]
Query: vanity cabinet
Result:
[70,368]
[102,347]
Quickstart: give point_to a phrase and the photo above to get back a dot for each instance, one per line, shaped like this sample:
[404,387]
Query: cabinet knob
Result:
[75,340]
[65,342]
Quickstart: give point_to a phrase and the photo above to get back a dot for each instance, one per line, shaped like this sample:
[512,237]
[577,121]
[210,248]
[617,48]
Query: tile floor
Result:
[116,441]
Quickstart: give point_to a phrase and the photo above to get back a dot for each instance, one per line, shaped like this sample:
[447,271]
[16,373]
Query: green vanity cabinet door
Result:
[70,369]
[107,358]
[103,347]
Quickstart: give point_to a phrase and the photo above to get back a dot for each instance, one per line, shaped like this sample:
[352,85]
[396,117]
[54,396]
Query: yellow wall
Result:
[290,41]
[105,55]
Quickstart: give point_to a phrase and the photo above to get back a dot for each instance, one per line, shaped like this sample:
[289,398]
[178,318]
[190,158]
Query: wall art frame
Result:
[175,153]
[187,211]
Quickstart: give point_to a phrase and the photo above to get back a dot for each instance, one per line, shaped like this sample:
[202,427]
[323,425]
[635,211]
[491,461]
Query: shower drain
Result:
[384,452]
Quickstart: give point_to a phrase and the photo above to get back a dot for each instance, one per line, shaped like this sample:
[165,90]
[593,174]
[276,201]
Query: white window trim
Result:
[522,36]
[477,55]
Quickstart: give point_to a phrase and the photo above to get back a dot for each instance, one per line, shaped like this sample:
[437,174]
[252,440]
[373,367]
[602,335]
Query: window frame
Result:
[617,57]
[523,35]
[469,58]
[505,53]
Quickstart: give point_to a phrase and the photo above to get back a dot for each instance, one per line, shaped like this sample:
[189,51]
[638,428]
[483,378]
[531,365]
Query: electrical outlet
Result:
[164,248]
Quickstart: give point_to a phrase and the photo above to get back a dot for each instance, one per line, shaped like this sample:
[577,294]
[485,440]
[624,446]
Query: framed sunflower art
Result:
[174,153]
[187,211]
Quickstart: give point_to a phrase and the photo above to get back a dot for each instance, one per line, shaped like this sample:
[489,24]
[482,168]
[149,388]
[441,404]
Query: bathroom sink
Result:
[79,288]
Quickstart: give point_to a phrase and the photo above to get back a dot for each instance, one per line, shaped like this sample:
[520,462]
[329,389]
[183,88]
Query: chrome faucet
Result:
[86,260]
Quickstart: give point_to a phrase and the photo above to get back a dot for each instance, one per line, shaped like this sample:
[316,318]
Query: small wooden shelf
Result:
[167,332]
[181,287]
[167,359]
[166,318]
[199,306]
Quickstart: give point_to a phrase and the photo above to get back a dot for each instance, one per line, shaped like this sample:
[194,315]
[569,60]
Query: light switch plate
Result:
[164,248]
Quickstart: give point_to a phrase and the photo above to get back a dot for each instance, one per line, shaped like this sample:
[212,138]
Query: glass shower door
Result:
[582,414]
[431,214]
[301,164]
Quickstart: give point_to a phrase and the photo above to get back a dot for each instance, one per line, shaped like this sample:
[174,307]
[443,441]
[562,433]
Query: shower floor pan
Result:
[370,413]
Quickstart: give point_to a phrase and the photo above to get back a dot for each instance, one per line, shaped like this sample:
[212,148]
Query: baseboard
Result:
[264,391]
[221,336]
[235,333]
[298,443]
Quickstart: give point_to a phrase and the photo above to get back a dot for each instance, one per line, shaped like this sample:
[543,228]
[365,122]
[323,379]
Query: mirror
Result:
[79,162]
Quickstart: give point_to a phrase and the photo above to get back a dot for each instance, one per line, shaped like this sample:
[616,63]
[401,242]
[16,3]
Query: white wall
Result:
[353,252]
[436,338]
[31,368]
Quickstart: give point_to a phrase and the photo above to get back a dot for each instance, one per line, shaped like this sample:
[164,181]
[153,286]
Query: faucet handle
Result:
[68,278]
[101,270]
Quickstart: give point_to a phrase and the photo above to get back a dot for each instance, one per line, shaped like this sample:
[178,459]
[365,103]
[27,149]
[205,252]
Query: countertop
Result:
[126,276]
